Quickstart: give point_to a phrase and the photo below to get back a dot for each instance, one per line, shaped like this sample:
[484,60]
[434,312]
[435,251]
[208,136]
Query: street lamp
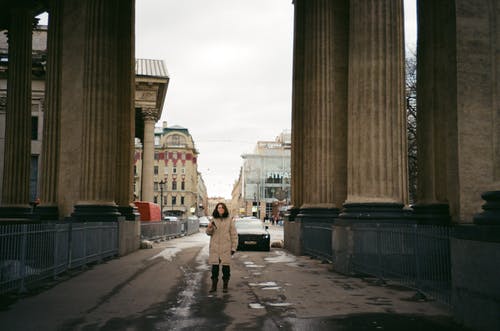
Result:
[162,186]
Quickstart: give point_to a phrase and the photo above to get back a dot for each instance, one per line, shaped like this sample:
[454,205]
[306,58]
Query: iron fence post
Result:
[379,253]
[417,256]
[22,266]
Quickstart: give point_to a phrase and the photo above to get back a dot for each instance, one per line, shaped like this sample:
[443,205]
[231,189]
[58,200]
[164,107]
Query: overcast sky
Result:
[230,65]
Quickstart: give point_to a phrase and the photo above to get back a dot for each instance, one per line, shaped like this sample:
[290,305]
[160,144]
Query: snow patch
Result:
[281,257]
[256,306]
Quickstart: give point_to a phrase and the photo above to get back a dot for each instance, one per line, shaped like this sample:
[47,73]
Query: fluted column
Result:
[297,111]
[100,111]
[126,118]
[324,103]
[377,167]
[52,117]
[436,98]
[150,118]
[16,173]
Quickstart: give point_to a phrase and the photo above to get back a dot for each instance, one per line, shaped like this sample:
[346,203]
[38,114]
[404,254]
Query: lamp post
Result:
[162,185]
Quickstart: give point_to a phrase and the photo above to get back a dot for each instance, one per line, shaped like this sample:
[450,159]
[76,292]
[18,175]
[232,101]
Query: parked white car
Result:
[204,221]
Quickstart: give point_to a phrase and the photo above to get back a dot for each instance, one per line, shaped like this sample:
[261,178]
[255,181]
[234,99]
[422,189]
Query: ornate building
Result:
[175,176]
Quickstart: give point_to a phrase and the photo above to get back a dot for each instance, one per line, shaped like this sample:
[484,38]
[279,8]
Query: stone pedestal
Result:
[374,213]
[491,209]
[435,214]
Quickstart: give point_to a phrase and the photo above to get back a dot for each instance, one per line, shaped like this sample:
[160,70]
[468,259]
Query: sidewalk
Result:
[166,288]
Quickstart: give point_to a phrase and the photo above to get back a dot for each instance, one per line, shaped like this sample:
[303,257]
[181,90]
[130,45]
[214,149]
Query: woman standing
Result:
[223,244]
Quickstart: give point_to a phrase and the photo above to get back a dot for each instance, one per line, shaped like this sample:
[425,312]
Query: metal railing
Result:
[417,256]
[317,240]
[168,229]
[30,253]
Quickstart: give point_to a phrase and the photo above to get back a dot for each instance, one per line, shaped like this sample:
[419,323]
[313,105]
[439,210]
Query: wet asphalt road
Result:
[166,288]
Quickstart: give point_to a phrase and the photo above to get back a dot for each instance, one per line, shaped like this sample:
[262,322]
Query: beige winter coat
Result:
[223,240]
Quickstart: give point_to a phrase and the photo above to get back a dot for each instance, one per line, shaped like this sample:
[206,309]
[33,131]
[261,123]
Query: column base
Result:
[491,209]
[46,213]
[375,212]
[290,214]
[96,213]
[16,213]
[130,213]
[318,214]
[432,213]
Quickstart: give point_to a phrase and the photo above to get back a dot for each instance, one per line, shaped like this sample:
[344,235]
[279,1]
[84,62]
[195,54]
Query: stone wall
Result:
[475,263]
[129,236]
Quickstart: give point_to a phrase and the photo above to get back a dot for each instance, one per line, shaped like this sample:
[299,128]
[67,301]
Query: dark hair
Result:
[216,214]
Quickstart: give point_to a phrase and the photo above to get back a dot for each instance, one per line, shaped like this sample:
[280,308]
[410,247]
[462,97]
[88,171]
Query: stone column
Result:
[436,98]
[148,150]
[47,210]
[16,173]
[319,116]
[126,118]
[297,112]
[377,167]
[325,104]
[100,111]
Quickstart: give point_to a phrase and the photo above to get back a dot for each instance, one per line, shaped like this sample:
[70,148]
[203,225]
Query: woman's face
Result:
[220,209]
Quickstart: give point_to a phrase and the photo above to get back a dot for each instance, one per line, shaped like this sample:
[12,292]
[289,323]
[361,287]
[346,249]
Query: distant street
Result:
[166,288]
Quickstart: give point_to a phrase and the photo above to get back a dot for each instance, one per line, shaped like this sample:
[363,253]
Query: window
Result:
[34,127]
[174,170]
[174,185]
[155,170]
[155,199]
[183,156]
[155,186]
[174,200]
[183,170]
[165,170]
[182,201]
[183,186]
[135,170]
[157,156]
[157,141]
[176,140]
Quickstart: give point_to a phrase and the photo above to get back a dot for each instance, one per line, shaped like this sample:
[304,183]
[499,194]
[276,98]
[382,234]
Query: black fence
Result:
[30,253]
[417,256]
[169,229]
[317,239]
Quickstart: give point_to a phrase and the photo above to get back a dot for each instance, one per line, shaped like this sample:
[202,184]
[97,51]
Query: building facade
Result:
[265,178]
[176,180]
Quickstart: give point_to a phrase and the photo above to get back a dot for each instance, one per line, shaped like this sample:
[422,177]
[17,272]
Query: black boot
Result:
[224,286]
[214,285]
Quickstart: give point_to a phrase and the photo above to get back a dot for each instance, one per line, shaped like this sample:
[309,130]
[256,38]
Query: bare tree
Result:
[411,115]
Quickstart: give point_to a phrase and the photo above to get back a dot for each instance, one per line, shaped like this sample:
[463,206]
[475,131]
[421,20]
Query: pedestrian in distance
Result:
[223,244]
